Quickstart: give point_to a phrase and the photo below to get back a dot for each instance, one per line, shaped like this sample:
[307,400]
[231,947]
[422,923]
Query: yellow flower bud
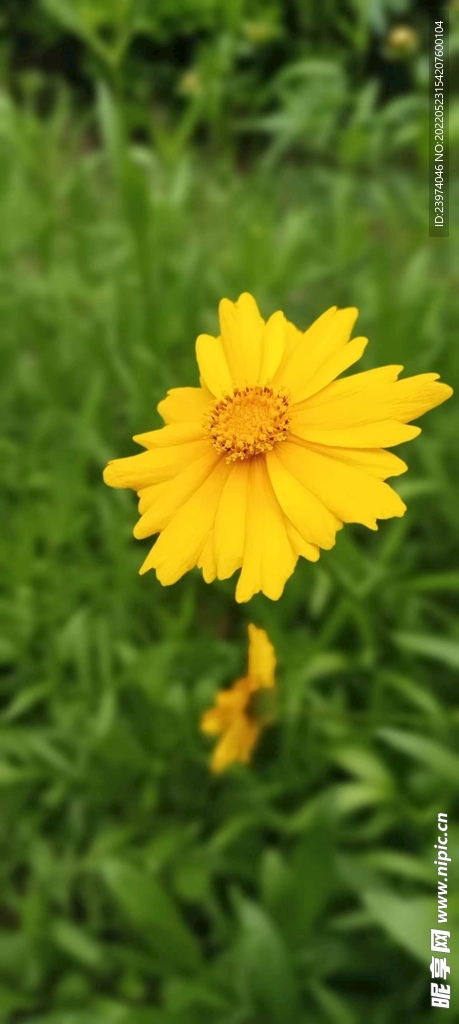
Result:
[402,40]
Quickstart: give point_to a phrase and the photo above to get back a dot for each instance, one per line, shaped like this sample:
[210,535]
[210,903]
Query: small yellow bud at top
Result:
[259,32]
[190,84]
[402,40]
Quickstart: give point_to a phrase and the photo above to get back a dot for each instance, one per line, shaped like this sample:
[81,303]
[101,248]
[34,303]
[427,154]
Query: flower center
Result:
[248,422]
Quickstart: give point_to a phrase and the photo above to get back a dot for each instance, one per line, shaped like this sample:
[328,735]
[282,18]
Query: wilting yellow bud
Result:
[241,713]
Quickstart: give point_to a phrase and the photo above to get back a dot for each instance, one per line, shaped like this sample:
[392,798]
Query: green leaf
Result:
[70,1017]
[11,1001]
[108,1013]
[7,651]
[231,831]
[436,647]
[264,965]
[276,878]
[25,700]
[88,18]
[67,14]
[414,694]
[296,893]
[434,581]
[181,994]
[350,797]
[399,864]
[111,125]
[440,760]
[407,920]
[366,765]
[10,776]
[191,877]
[153,913]
[77,943]
[335,1007]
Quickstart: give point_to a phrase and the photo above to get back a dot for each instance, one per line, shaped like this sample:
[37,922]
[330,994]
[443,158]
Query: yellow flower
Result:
[268,458]
[237,714]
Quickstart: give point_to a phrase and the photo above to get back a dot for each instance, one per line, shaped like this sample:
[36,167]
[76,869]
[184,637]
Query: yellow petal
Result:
[230,340]
[361,399]
[213,366]
[352,495]
[323,339]
[242,329]
[233,700]
[175,433]
[236,745]
[308,513]
[229,705]
[273,345]
[230,521]
[293,338]
[296,339]
[183,405]
[300,545]
[179,546]
[268,557]
[414,396]
[332,367]
[358,382]
[174,494]
[262,660]
[251,331]
[206,560]
[375,461]
[152,467]
[210,723]
[385,434]
[148,495]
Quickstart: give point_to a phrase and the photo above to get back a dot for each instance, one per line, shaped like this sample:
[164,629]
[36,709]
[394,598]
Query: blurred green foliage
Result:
[136,888]
[298,70]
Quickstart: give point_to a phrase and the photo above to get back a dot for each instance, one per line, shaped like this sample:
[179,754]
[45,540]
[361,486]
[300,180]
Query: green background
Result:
[155,157]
